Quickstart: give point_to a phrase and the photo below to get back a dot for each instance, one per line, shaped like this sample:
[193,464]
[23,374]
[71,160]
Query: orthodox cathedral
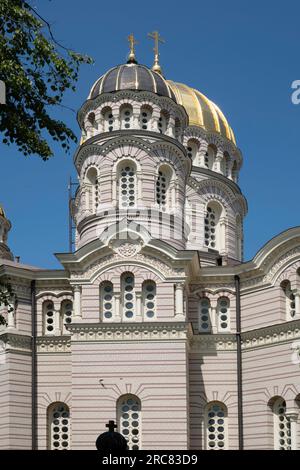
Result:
[154,320]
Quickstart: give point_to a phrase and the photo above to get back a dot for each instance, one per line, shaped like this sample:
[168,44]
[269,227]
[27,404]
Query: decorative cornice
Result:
[260,338]
[210,344]
[270,335]
[54,344]
[138,258]
[15,342]
[220,189]
[133,138]
[137,96]
[147,331]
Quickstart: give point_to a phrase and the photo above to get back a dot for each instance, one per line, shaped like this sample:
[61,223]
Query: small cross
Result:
[157,39]
[132,42]
[111,426]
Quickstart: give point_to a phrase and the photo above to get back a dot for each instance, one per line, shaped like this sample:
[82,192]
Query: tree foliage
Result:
[7,298]
[37,71]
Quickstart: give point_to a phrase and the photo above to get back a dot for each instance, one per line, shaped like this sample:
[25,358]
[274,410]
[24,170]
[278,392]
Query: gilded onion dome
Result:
[201,111]
[2,213]
[132,77]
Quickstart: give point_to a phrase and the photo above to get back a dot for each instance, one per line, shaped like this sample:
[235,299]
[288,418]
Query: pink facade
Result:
[141,324]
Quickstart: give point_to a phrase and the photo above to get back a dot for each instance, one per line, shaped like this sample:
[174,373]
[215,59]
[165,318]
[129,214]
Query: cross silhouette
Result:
[157,39]
[111,426]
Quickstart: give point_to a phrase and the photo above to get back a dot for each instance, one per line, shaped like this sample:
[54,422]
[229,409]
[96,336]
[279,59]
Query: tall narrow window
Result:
[48,308]
[216,426]
[204,315]
[163,122]
[127,185]
[209,157]
[223,312]
[149,299]
[106,294]
[162,187]
[282,426]
[145,117]
[66,315]
[129,420]
[128,296]
[59,427]
[211,226]
[290,306]
[108,119]
[192,150]
[126,115]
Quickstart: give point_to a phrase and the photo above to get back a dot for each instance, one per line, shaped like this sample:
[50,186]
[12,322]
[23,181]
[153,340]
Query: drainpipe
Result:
[33,368]
[239,362]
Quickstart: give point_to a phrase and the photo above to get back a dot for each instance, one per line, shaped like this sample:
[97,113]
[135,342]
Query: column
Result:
[218,162]
[171,127]
[136,120]
[57,324]
[116,118]
[11,317]
[293,417]
[77,303]
[222,235]
[117,316]
[179,299]
[138,306]
[297,304]
[214,317]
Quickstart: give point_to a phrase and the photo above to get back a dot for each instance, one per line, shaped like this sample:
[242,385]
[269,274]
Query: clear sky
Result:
[243,55]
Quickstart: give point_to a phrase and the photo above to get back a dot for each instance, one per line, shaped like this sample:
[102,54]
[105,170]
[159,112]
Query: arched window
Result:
[149,299]
[106,300]
[290,306]
[127,184]
[49,319]
[223,314]
[92,189]
[108,119]
[192,150]
[59,431]
[129,420]
[145,116]
[204,315]
[163,122]
[128,296]
[162,186]
[282,426]
[216,426]
[212,226]
[209,157]
[66,315]
[126,116]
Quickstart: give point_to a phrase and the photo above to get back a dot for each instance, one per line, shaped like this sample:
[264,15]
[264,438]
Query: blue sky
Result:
[243,55]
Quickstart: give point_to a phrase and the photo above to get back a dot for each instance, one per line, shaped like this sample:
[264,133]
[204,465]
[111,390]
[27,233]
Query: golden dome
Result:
[201,111]
[2,213]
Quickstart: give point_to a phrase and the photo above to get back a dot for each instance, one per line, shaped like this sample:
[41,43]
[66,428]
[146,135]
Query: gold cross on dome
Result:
[132,43]
[157,39]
